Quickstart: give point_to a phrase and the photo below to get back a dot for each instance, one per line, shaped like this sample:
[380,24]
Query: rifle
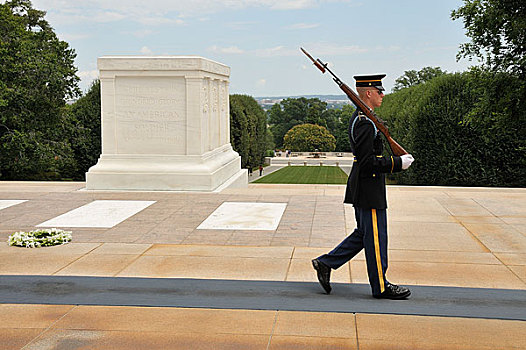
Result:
[380,124]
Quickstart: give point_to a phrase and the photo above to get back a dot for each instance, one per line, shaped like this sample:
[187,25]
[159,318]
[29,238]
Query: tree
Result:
[341,130]
[83,119]
[270,146]
[413,77]
[248,130]
[37,75]
[295,111]
[496,29]
[309,137]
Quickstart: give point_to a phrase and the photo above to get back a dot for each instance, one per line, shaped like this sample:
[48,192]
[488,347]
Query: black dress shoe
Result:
[392,291]
[324,274]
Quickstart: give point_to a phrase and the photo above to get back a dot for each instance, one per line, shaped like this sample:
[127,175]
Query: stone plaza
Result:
[179,270]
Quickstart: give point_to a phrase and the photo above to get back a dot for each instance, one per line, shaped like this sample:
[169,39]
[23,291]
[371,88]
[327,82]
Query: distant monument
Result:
[165,126]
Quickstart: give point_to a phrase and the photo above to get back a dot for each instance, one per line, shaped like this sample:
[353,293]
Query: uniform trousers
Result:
[371,235]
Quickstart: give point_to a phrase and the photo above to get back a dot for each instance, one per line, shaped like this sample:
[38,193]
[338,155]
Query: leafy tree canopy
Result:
[37,75]
[83,120]
[341,128]
[309,137]
[497,30]
[295,111]
[37,71]
[413,77]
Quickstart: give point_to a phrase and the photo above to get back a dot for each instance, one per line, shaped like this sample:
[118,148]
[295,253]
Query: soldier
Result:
[366,192]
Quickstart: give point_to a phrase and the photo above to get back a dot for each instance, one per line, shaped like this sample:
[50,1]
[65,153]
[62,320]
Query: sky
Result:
[260,39]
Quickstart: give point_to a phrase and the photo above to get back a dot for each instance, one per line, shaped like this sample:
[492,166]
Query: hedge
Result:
[464,129]
[248,130]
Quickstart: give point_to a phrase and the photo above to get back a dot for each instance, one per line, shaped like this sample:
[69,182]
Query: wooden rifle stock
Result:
[380,124]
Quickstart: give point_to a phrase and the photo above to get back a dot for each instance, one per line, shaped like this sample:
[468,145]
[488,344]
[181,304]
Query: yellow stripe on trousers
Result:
[377,251]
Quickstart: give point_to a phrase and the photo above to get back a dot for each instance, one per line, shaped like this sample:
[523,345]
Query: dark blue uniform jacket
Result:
[366,184]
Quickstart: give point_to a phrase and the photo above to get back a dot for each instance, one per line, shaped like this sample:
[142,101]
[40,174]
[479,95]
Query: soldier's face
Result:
[376,97]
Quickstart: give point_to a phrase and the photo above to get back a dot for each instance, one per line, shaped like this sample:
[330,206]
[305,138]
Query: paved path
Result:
[162,283]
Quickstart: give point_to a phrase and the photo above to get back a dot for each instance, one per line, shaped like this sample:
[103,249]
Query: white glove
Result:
[407,159]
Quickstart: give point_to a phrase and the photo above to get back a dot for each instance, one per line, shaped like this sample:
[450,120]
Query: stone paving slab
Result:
[412,332]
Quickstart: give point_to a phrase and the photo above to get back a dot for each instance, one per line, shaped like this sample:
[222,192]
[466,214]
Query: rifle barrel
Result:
[395,147]
[317,64]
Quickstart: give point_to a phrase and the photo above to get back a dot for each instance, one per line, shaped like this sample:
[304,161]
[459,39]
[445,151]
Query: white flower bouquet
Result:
[40,238]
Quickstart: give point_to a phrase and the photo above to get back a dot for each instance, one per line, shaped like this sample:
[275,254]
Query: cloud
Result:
[228,50]
[141,33]
[107,16]
[266,52]
[392,48]
[335,49]
[72,37]
[159,12]
[325,49]
[157,21]
[275,51]
[86,78]
[88,75]
[293,4]
[261,82]
[240,25]
[151,13]
[145,50]
[303,26]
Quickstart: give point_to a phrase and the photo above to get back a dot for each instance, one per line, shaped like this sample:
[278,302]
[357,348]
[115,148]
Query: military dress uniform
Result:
[366,191]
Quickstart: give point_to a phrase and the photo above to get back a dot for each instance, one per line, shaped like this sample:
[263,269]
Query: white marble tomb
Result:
[165,125]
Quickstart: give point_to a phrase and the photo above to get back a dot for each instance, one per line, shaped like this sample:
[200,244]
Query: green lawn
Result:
[306,175]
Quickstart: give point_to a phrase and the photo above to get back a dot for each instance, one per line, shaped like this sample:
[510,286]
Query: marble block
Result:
[165,125]
[244,216]
[6,203]
[98,214]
